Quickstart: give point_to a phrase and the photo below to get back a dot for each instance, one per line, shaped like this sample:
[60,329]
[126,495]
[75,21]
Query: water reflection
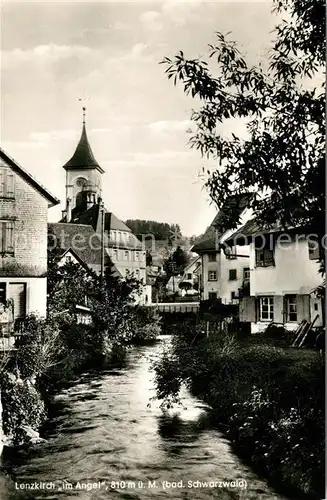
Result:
[103,430]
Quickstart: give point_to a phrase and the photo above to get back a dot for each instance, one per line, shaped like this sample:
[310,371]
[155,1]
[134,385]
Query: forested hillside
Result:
[160,230]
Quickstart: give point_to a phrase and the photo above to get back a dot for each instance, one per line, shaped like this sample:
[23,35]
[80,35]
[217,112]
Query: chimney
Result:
[68,210]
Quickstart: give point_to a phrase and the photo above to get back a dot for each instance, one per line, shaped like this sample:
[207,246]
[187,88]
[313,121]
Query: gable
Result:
[7,161]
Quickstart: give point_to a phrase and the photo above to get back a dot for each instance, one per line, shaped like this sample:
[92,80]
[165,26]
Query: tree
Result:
[159,230]
[113,306]
[68,285]
[281,162]
[170,267]
[148,259]
[180,258]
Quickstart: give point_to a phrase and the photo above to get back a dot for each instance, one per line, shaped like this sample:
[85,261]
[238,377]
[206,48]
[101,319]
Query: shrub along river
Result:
[103,441]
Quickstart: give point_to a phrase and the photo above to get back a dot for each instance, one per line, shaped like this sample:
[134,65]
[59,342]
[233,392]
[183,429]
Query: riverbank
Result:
[269,401]
[103,429]
[50,355]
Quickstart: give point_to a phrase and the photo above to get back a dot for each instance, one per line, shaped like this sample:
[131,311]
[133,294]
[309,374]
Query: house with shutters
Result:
[24,205]
[190,278]
[223,270]
[283,276]
[85,213]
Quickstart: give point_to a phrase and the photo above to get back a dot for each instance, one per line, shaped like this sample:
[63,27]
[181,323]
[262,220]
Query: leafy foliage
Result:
[23,408]
[113,306]
[281,162]
[269,400]
[176,262]
[68,285]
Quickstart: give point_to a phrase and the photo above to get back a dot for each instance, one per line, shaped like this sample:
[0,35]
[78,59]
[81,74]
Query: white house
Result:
[223,269]
[191,273]
[284,272]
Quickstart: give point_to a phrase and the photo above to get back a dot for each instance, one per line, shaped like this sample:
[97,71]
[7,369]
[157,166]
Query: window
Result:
[232,275]
[230,253]
[126,272]
[137,273]
[264,258]
[2,293]
[126,254]
[233,295]
[212,276]
[212,295]
[291,308]
[266,308]
[212,257]
[7,183]
[115,254]
[6,237]
[246,273]
[137,255]
[314,252]
[189,276]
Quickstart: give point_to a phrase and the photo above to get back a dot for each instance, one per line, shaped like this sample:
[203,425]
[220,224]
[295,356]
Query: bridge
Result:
[176,307]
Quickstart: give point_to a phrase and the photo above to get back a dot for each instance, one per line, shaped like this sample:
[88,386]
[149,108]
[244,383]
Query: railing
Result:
[174,307]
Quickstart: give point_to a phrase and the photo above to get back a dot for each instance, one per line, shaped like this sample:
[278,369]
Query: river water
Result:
[106,442]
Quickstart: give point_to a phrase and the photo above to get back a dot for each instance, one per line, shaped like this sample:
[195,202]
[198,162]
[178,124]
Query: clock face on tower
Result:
[81,182]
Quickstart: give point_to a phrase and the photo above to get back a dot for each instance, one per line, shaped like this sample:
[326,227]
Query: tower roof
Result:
[83,156]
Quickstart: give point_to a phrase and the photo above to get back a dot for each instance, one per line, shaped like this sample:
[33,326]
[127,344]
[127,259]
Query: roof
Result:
[29,178]
[112,222]
[81,238]
[91,217]
[224,220]
[251,229]
[83,156]
[231,211]
[88,266]
[193,261]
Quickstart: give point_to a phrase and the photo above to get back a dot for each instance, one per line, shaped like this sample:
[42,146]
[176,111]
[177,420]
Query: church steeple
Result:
[83,156]
[83,178]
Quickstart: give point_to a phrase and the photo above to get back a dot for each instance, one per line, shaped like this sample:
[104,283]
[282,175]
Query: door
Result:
[17,292]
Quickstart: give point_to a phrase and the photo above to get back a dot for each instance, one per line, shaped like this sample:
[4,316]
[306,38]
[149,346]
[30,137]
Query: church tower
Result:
[83,178]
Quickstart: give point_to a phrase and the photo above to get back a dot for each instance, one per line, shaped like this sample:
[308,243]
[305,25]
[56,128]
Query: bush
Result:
[22,408]
[271,400]
[147,325]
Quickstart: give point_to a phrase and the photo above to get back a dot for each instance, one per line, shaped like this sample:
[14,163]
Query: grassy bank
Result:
[270,401]
[53,354]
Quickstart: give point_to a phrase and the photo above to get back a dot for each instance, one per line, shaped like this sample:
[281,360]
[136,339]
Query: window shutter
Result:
[303,307]
[10,184]
[285,310]
[2,249]
[9,237]
[278,309]
[2,179]
[247,310]
[314,251]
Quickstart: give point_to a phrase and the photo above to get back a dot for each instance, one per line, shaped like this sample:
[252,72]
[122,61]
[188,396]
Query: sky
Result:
[108,54]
